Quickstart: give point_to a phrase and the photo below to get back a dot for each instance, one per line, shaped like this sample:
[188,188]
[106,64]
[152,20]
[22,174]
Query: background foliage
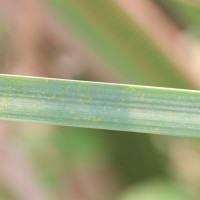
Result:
[99,40]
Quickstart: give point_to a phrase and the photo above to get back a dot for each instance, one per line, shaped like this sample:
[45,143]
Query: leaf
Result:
[127,49]
[100,105]
[187,13]
[155,190]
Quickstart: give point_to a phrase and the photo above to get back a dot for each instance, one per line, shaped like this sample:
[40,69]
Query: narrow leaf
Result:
[100,105]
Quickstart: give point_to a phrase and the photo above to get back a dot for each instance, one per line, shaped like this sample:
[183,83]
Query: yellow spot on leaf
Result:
[142,97]
[4,103]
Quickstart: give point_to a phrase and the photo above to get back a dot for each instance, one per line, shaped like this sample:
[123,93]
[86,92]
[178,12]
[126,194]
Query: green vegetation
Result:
[100,105]
[104,131]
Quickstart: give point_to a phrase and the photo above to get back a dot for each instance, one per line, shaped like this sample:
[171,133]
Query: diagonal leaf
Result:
[112,34]
[185,12]
[100,105]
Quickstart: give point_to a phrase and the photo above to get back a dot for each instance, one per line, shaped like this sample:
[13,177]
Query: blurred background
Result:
[146,42]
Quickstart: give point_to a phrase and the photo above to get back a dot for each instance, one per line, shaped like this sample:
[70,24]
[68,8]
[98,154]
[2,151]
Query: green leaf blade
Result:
[100,105]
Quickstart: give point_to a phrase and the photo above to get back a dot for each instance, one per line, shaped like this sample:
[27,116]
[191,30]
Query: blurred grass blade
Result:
[100,105]
[114,36]
[187,13]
